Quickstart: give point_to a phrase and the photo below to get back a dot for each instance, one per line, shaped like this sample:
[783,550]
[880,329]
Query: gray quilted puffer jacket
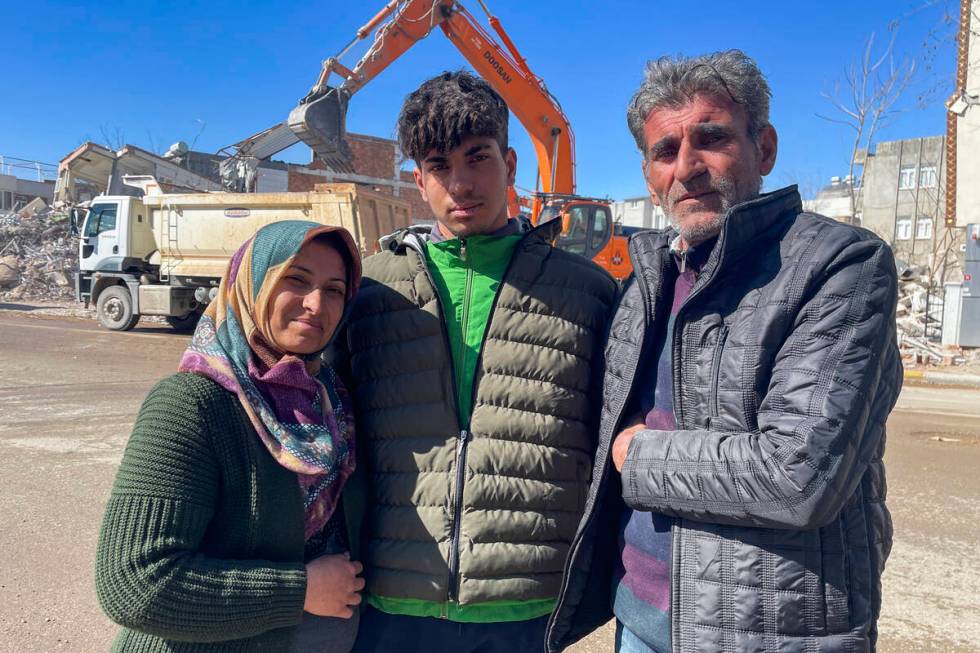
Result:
[785,367]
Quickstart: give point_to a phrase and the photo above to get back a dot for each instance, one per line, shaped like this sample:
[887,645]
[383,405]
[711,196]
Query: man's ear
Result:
[768,144]
[510,158]
[646,178]
[420,183]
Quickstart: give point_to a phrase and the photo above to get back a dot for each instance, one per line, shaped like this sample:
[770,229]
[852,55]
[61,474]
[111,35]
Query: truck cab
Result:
[116,246]
[116,236]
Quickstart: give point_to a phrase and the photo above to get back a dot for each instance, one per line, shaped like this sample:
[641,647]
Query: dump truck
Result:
[164,254]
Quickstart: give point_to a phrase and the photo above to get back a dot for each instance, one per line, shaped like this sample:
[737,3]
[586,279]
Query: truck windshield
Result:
[101,217]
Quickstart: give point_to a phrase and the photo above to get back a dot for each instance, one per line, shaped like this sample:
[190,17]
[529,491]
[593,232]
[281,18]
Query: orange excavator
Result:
[320,119]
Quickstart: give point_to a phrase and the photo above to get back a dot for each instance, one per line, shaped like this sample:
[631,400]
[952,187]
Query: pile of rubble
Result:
[919,320]
[38,256]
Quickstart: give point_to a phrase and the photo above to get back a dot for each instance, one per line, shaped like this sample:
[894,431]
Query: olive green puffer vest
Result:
[476,523]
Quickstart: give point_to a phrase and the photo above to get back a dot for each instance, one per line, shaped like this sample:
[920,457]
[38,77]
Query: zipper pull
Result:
[464,437]
[462,252]
[683,261]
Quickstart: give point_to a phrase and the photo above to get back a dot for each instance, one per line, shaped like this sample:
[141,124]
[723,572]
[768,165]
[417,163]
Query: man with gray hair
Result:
[737,501]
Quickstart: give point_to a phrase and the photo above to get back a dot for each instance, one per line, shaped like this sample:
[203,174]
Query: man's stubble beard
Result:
[728,195]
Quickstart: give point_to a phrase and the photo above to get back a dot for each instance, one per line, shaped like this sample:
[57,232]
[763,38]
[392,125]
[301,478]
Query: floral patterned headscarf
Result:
[299,408]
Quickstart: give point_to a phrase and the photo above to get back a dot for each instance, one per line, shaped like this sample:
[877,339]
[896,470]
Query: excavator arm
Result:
[319,119]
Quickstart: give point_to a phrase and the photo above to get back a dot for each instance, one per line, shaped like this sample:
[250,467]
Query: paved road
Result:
[69,392]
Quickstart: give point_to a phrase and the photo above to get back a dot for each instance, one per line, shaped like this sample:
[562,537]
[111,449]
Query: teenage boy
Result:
[474,349]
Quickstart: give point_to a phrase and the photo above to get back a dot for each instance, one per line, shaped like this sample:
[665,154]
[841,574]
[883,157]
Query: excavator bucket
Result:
[320,122]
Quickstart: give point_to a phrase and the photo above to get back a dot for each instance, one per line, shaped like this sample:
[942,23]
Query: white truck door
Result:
[100,237]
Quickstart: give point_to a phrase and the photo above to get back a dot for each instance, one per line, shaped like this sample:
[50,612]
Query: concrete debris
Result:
[32,208]
[38,257]
[9,272]
[919,322]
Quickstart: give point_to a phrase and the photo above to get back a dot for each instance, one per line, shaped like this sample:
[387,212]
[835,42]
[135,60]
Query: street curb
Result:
[943,378]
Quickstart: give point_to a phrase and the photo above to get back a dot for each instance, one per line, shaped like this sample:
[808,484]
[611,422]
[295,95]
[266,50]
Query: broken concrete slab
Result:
[9,271]
[32,208]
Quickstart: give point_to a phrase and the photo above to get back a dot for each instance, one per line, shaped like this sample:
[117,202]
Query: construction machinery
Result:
[319,120]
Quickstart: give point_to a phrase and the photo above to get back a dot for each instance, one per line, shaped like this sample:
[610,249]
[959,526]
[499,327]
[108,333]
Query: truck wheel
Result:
[184,322]
[115,309]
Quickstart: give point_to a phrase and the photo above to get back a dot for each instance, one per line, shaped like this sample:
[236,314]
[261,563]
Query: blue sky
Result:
[160,72]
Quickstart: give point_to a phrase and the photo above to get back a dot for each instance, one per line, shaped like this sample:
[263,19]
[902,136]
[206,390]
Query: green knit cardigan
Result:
[201,547]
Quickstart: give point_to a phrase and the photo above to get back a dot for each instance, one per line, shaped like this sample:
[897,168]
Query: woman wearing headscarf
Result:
[225,530]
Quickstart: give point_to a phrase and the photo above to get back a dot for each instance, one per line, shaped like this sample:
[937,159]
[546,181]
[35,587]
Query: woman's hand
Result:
[333,586]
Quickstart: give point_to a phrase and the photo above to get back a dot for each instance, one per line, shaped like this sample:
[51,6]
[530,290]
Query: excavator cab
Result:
[320,121]
[586,227]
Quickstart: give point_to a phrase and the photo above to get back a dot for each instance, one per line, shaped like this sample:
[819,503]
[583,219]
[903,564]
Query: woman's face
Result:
[308,300]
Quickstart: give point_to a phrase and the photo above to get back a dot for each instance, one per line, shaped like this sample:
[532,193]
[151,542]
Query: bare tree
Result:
[153,142]
[202,126]
[867,98]
[944,255]
[113,136]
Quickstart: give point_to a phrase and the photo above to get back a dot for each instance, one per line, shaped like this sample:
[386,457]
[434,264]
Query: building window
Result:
[927,177]
[903,229]
[923,228]
[6,200]
[906,178]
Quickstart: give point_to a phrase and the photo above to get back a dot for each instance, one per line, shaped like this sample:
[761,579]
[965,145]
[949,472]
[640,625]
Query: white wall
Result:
[26,187]
[968,137]
[638,212]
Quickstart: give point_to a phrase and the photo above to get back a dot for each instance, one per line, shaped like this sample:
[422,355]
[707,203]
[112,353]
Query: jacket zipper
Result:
[452,371]
[453,589]
[675,553]
[460,357]
[464,435]
[678,323]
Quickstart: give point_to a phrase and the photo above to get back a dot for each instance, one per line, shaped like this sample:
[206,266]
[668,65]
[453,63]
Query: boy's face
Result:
[466,188]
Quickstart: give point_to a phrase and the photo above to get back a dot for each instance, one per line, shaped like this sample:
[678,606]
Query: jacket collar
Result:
[744,226]
[416,236]
[748,221]
[511,227]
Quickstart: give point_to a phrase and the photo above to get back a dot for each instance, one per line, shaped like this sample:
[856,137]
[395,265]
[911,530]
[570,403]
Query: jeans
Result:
[396,633]
[627,642]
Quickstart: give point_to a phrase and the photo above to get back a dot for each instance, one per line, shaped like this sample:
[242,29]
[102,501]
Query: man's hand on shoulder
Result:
[621,443]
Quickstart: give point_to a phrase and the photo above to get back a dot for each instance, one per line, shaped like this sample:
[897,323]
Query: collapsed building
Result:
[91,170]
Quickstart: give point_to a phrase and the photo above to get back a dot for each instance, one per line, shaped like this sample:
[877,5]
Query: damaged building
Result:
[92,169]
